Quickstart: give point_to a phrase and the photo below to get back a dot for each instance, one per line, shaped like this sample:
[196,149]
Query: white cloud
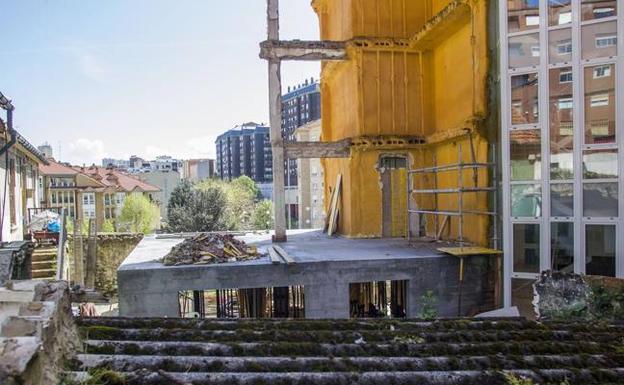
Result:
[85,151]
[92,68]
[200,147]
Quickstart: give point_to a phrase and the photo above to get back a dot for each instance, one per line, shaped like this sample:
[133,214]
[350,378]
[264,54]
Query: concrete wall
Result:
[153,292]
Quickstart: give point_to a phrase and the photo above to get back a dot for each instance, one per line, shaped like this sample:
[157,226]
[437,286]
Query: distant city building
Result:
[166,181]
[116,163]
[245,150]
[300,105]
[195,170]
[46,150]
[311,185]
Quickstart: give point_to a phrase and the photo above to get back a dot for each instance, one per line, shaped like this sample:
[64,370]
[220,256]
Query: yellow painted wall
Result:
[403,92]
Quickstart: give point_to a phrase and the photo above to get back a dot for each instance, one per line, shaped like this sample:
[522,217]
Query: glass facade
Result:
[562,119]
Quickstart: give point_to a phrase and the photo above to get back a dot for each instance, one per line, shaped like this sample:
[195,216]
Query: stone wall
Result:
[37,332]
[112,249]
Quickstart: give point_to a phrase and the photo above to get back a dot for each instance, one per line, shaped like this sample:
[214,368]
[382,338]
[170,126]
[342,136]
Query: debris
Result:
[204,249]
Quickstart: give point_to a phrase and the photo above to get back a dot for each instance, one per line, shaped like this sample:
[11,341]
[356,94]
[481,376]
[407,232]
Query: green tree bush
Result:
[192,209]
[139,214]
[262,218]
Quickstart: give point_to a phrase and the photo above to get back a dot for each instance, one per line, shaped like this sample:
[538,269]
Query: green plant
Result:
[512,379]
[197,209]
[428,306]
[108,226]
[139,214]
[262,217]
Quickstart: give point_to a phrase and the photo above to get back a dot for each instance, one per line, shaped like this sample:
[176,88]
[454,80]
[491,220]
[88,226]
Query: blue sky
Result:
[146,77]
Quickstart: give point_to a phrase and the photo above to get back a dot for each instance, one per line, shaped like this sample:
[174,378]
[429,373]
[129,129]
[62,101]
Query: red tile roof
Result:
[56,169]
[116,179]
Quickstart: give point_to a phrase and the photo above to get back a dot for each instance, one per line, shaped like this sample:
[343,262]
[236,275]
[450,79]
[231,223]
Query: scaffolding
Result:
[460,167]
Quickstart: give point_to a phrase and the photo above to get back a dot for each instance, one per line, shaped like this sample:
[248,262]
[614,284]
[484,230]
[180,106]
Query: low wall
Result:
[37,333]
[112,249]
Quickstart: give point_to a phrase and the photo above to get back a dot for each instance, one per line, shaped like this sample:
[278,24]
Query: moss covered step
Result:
[489,377]
[127,363]
[324,336]
[310,349]
[407,325]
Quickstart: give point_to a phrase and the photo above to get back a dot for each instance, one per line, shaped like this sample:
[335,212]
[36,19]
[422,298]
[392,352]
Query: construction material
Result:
[333,208]
[208,248]
[285,257]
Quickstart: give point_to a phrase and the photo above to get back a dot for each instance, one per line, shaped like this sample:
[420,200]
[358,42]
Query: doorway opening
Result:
[393,171]
[378,299]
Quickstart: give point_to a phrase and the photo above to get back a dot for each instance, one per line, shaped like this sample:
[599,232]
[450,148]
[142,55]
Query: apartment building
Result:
[245,150]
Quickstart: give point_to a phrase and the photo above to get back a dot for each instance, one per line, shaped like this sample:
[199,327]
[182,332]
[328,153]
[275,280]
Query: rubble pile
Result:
[206,249]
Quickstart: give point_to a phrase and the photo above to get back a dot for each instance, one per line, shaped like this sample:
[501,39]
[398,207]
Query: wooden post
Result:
[275,110]
[91,255]
[78,254]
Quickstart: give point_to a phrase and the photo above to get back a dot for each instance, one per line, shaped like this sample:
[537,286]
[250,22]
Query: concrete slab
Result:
[323,266]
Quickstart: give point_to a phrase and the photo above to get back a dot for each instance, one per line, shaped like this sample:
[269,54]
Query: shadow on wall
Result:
[112,249]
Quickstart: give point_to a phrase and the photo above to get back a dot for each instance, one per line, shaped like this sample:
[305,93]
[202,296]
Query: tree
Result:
[262,218]
[108,226]
[240,194]
[197,209]
[139,214]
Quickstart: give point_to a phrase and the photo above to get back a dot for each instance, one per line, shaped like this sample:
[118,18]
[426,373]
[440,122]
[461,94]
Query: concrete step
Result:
[44,273]
[341,364]
[584,376]
[277,349]
[324,336]
[43,265]
[44,257]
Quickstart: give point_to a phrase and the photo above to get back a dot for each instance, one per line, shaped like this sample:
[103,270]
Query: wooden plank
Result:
[444,222]
[468,251]
[275,257]
[285,256]
[333,212]
[313,150]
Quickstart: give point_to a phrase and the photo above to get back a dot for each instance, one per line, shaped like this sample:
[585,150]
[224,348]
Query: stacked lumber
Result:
[205,248]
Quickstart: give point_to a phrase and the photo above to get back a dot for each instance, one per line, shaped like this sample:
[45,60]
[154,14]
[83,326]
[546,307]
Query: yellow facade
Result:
[414,85]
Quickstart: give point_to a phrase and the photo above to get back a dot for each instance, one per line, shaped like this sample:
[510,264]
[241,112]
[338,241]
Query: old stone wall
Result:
[112,249]
[37,332]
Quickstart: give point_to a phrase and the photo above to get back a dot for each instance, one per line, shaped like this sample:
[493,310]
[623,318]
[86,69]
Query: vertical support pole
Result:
[435,195]
[78,255]
[409,204]
[91,255]
[275,110]
[460,195]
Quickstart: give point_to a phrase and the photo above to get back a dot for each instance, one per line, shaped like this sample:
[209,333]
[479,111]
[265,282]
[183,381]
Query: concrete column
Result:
[275,110]
[327,301]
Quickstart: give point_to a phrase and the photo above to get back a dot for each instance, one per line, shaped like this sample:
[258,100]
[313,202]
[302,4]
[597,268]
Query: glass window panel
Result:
[559,12]
[526,248]
[562,246]
[599,40]
[600,164]
[526,154]
[561,127]
[600,200]
[600,104]
[524,99]
[600,250]
[560,45]
[526,200]
[522,15]
[562,200]
[598,9]
[524,51]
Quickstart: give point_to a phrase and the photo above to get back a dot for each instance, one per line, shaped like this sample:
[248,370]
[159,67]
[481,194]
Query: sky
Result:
[116,78]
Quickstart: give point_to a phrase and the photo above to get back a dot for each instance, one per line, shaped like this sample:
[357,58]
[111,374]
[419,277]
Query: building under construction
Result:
[450,130]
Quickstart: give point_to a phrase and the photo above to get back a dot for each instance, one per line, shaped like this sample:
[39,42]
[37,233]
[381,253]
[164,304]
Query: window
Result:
[524,99]
[565,77]
[600,200]
[600,250]
[524,51]
[562,246]
[601,100]
[526,248]
[565,103]
[562,200]
[526,200]
[564,47]
[598,40]
[522,15]
[600,164]
[592,9]
[599,105]
[602,71]
[559,12]
[526,154]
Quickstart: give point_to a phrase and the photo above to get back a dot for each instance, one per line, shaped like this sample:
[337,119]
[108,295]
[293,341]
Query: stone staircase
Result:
[444,352]
[44,262]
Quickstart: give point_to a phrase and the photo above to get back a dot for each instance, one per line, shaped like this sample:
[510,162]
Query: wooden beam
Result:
[312,150]
[303,50]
